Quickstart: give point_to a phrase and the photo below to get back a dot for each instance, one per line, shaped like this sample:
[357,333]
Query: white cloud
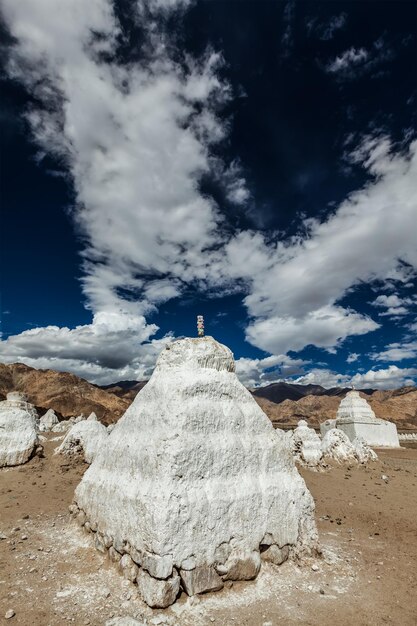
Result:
[324,377]
[351,358]
[356,62]
[392,377]
[392,305]
[135,138]
[114,347]
[326,327]
[396,352]
[255,372]
[294,286]
[347,60]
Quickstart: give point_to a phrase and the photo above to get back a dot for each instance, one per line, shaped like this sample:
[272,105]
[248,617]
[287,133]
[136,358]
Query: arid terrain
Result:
[50,574]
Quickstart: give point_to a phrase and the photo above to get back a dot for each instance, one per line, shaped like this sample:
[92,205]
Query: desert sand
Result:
[52,575]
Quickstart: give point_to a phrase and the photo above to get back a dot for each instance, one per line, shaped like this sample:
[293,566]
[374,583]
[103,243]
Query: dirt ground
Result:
[51,575]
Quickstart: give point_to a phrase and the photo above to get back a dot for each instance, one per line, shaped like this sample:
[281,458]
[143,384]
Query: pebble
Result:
[315,567]
[24,537]
[10,613]
[3,536]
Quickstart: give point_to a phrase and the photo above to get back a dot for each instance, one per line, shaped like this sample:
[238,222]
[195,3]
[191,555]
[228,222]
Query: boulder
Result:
[18,430]
[195,476]
[85,437]
[200,580]
[158,594]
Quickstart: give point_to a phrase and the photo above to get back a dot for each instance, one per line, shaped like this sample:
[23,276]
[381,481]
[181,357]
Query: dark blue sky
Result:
[308,82]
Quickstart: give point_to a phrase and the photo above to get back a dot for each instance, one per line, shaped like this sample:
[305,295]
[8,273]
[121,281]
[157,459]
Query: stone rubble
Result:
[194,485]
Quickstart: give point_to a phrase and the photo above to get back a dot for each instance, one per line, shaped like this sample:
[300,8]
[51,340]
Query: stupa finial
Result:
[200,325]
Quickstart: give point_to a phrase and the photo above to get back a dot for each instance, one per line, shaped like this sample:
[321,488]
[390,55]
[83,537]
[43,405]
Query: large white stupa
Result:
[193,484]
[357,419]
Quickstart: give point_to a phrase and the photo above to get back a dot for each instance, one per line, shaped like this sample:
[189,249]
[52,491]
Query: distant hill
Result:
[127,389]
[278,392]
[66,393]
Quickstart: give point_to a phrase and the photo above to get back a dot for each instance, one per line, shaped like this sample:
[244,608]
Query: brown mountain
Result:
[66,393]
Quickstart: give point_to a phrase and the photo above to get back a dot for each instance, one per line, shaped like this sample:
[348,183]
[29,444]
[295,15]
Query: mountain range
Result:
[284,403]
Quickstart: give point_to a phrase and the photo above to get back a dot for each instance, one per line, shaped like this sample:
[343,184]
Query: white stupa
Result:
[356,418]
[86,437]
[193,483]
[48,421]
[18,429]
[307,444]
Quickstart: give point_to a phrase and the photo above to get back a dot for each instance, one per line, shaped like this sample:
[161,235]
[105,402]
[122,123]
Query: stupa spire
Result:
[200,326]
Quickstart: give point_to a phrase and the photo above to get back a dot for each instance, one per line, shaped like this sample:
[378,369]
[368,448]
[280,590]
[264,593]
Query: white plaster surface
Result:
[306,444]
[363,451]
[86,436]
[194,471]
[336,446]
[327,425]
[18,430]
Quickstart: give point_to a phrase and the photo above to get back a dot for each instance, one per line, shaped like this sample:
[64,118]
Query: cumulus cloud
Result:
[356,62]
[392,377]
[295,285]
[347,60]
[352,357]
[392,305]
[113,347]
[256,372]
[396,352]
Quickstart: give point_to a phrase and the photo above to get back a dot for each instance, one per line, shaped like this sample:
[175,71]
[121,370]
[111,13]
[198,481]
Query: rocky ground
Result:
[51,575]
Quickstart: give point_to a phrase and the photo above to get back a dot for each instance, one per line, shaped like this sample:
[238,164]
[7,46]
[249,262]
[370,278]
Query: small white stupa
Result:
[86,437]
[307,444]
[18,429]
[48,421]
[193,483]
[356,418]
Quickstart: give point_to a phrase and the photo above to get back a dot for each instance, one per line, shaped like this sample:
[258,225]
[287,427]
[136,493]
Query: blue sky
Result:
[254,162]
